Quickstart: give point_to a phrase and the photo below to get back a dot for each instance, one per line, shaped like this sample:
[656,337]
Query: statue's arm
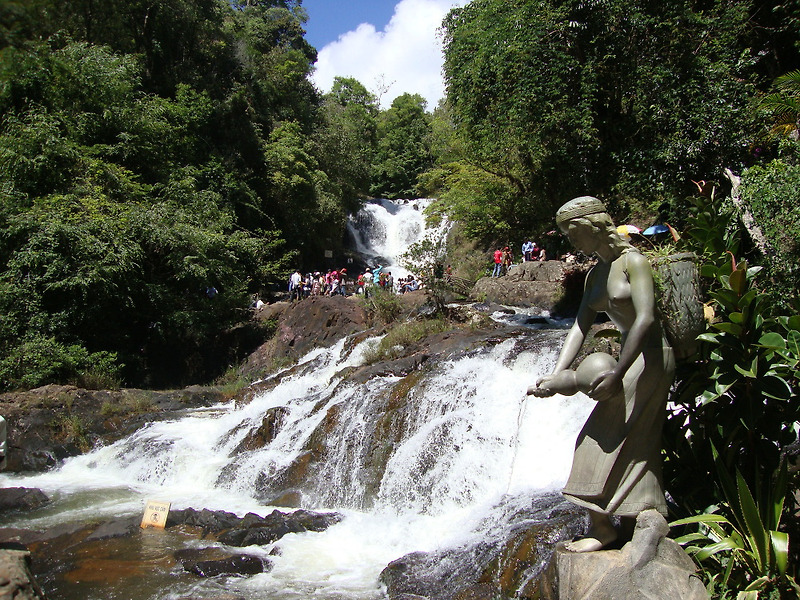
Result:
[640,277]
[572,344]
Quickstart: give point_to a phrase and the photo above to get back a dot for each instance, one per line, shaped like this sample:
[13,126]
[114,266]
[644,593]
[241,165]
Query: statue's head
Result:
[583,207]
[587,223]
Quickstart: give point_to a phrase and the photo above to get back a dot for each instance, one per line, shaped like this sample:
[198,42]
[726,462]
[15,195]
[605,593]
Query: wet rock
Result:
[649,566]
[222,597]
[42,422]
[16,580]
[493,566]
[207,520]
[288,499]
[550,286]
[114,529]
[318,321]
[20,498]
[276,525]
[240,564]
[271,424]
[252,529]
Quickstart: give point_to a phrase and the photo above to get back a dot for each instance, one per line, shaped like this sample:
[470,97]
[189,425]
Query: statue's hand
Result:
[605,386]
[540,389]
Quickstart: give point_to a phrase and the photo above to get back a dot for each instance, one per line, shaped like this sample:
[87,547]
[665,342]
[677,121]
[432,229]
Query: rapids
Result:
[470,444]
[441,469]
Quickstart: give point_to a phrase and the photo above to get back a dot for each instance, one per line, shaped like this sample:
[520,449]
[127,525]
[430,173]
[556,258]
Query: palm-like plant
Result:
[744,551]
[784,106]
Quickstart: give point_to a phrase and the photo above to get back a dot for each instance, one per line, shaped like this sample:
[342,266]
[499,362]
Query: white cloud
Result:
[404,58]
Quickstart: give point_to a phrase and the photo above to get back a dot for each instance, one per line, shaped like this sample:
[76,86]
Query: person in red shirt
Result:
[498,262]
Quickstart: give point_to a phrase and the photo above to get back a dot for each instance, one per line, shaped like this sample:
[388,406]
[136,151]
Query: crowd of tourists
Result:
[336,282]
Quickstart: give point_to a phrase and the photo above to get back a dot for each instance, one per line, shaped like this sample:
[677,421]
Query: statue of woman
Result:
[616,469]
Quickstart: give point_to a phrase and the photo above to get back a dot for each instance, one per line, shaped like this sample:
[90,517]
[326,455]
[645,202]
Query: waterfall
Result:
[384,229]
[468,442]
[419,463]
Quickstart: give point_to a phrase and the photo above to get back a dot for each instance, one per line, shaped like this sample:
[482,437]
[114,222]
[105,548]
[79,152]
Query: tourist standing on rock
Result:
[527,248]
[508,260]
[295,289]
[498,262]
[616,469]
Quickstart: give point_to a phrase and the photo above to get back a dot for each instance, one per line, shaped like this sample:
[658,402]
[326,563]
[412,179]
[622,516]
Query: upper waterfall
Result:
[383,230]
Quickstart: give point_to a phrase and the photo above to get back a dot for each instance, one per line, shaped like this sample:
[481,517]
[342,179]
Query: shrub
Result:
[40,360]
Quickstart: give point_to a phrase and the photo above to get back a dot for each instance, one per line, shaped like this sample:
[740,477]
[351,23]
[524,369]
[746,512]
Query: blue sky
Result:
[327,19]
[391,46]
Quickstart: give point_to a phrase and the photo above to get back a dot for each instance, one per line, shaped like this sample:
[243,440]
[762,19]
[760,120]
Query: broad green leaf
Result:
[708,337]
[691,537]
[705,518]
[728,327]
[736,317]
[775,387]
[772,340]
[793,342]
[780,548]
[757,584]
[738,281]
[755,527]
[712,549]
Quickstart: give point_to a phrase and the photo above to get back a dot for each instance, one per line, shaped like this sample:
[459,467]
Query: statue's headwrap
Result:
[579,207]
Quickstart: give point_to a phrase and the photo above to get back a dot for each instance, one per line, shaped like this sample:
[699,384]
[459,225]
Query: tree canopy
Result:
[629,101]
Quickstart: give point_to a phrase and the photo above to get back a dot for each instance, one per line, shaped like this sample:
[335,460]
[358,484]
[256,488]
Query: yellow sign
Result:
[155,514]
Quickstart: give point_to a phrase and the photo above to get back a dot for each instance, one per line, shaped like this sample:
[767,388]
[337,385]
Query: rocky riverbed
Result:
[52,423]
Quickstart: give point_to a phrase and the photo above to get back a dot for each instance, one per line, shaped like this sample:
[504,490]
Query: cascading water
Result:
[418,463]
[384,229]
[467,443]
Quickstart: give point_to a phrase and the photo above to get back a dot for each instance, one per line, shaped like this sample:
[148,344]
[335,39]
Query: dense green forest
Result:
[152,149]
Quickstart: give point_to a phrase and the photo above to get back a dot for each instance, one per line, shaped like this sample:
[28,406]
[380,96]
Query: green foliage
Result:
[625,101]
[40,360]
[382,304]
[395,343]
[744,551]
[138,168]
[733,413]
[772,191]
[783,105]
[346,138]
[403,150]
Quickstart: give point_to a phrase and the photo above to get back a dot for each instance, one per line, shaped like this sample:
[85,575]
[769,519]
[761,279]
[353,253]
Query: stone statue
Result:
[616,469]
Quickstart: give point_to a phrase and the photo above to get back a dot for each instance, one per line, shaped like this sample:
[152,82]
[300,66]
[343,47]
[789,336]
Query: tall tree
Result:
[619,99]
[404,152]
[346,138]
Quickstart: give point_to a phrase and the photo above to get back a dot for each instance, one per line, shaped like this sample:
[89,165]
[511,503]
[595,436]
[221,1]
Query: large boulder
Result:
[495,565]
[550,286]
[319,321]
[54,422]
[650,566]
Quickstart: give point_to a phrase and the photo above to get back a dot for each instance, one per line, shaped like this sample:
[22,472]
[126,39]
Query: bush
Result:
[40,360]
[395,343]
[385,305]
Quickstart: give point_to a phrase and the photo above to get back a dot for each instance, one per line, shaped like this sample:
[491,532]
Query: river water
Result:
[472,442]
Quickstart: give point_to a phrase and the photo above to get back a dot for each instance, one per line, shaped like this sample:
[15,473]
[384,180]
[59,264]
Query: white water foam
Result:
[472,438]
[383,230]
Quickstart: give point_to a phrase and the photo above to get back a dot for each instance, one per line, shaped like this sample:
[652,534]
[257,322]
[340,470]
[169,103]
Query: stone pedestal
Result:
[649,567]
